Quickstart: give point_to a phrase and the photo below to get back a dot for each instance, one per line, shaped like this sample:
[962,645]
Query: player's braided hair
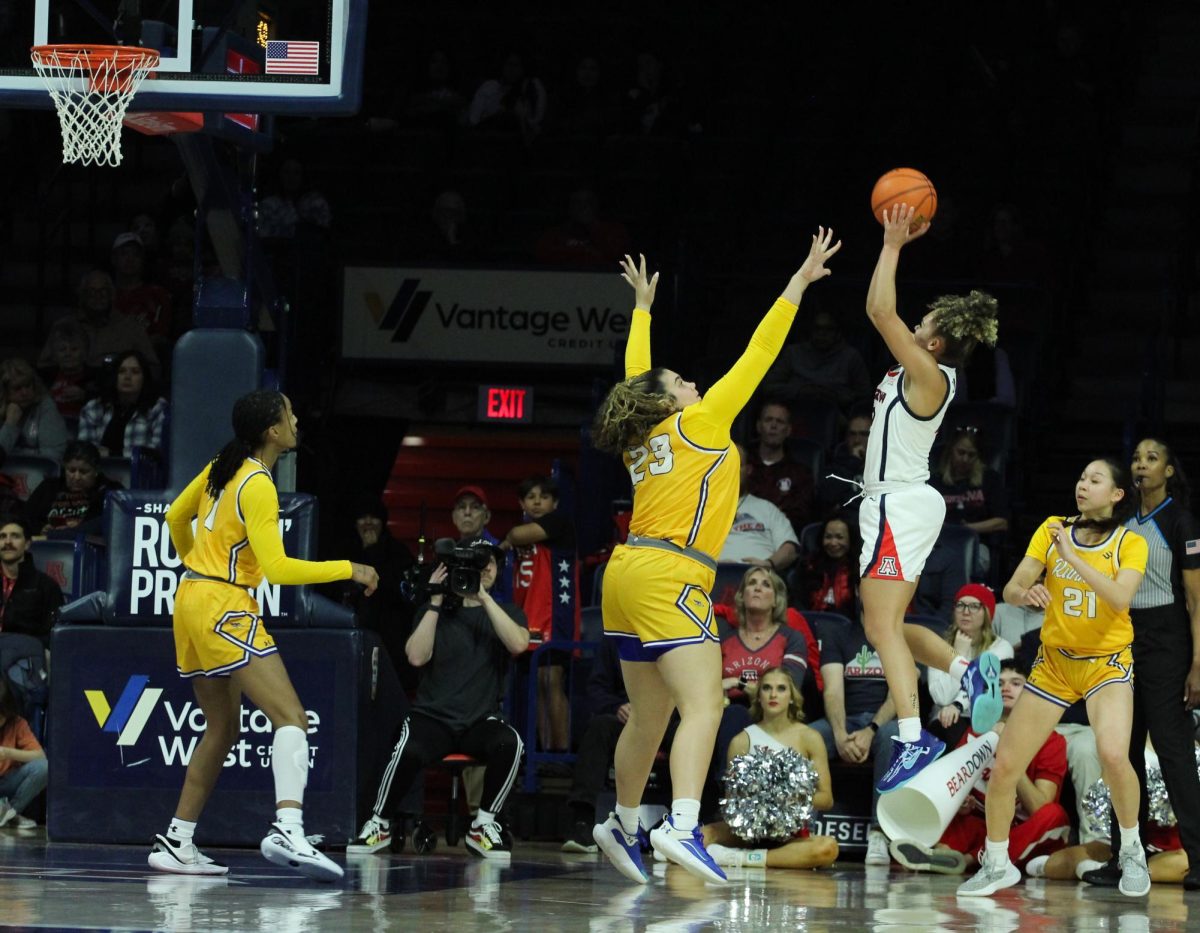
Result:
[1122,509]
[963,322]
[630,410]
[253,414]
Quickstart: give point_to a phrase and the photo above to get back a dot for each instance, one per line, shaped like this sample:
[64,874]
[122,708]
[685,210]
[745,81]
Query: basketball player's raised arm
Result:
[925,383]
[185,507]
[637,348]
[260,505]
[721,404]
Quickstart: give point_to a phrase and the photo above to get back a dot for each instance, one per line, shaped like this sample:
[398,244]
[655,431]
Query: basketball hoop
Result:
[91,86]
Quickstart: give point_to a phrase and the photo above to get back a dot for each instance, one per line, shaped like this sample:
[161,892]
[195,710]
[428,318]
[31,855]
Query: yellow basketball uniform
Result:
[1085,641]
[217,623]
[685,490]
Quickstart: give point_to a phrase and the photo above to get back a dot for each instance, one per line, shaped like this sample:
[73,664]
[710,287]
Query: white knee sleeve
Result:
[289,762]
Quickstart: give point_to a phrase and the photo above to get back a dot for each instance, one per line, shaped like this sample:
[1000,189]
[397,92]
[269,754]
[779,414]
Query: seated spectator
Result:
[860,718]
[838,489]
[945,573]
[762,637]
[1041,825]
[828,581]
[761,533]
[470,515]
[584,239]
[23,767]
[29,600]
[514,102]
[970,634]
[777,714]
[449,235]
[128,413]
[545,583]
[609,705]
[73,501]
[438,103]
[293,204]
[975,494]
[69,380]
[465,647]
[587,109]
[145,302]
[647,107]
[824,367]
[776,477]
[32,424]
[107,332]
[385,612]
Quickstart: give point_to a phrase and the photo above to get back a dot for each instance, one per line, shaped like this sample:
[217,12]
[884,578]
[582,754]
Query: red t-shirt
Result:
[16,734]
[546,581]
[795,620]
[1049,764]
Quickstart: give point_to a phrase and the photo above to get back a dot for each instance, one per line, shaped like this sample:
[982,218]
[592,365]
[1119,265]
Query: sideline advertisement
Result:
[124,726]
[484,315]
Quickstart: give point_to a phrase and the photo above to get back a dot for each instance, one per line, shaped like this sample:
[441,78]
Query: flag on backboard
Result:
[294,58]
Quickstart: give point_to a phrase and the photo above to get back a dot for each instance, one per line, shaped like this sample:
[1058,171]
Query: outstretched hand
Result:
[897,226]
[643,285]
[814,269]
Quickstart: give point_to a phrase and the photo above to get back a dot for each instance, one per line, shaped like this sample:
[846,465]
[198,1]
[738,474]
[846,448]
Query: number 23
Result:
[660,449]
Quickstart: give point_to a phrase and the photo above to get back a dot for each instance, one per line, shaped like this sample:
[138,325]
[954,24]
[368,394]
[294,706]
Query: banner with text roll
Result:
[484,315]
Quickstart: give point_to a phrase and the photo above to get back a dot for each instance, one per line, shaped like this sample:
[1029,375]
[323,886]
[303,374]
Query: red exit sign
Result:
[506,403]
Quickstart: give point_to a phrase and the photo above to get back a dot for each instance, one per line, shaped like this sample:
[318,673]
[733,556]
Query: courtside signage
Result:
[477,315]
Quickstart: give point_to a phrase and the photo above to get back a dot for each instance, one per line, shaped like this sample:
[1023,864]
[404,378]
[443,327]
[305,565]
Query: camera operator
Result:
[463,641]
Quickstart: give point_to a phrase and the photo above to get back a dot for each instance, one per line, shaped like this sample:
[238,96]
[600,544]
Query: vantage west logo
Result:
[128,718]
[401,316]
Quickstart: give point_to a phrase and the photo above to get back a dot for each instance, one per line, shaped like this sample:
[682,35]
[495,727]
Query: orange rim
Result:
[121,56]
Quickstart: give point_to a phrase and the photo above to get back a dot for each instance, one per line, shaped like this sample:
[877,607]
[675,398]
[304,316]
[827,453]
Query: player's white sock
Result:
[628,818]
[685,813]
[291,818]
[482,817]
[181,830]
[910,728]
[997,852]
[958,666]
[1131,837]
[289,763]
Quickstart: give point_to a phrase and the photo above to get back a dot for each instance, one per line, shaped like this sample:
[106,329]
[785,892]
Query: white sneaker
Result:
[375,835]
[281,847]
[877,849]
[990,879]
[182,858]
[686,849]
[7,813]
[731,857]
[1135,876]
[24,822]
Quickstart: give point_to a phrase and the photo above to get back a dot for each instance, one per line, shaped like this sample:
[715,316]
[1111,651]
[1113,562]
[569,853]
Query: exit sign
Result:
[512,404]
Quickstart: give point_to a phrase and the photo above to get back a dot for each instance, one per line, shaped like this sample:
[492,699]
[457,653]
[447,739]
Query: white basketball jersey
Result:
[760,738]
[899,444]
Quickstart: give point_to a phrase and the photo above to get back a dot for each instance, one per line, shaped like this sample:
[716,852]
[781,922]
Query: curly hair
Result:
[630,410]
[963,322]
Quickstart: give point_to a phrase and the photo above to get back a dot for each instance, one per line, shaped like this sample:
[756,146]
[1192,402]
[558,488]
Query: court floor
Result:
[88,887]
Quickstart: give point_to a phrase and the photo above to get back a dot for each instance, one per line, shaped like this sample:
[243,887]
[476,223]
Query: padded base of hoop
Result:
[164,122]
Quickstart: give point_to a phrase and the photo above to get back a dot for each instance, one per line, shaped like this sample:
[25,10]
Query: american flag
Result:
[1192,547]
[292,58]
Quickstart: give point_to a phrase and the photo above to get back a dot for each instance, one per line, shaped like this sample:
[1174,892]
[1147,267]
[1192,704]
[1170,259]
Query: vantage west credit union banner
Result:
[475,315]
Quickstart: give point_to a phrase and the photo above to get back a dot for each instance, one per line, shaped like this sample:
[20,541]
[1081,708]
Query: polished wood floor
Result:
[88,887]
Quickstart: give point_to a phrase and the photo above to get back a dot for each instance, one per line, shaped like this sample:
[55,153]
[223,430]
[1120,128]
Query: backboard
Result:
[253,56]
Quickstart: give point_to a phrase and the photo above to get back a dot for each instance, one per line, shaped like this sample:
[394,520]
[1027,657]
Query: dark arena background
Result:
[415,234]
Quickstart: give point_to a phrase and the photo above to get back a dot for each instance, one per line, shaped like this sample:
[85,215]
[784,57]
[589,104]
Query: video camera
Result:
[465,564]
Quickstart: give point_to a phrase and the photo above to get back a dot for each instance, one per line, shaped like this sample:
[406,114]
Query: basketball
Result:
[905,186]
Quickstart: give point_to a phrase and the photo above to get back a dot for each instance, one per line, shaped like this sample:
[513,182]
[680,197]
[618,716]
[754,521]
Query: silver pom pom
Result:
[768,794]
[1156,795]
[1096,807]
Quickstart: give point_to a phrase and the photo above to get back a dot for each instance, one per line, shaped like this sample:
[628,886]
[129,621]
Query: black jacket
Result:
[33,605]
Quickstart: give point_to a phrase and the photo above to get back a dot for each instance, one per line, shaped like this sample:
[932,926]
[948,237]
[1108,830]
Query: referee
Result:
[1166,651]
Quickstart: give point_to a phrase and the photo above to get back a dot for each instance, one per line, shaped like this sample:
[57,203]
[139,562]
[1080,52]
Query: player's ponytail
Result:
[963,322]
[1122,509]
[630,410]
[253,414]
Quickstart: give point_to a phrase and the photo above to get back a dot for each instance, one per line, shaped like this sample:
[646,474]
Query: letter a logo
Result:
[887,567]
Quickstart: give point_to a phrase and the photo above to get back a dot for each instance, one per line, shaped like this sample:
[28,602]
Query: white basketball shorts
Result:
[898,531]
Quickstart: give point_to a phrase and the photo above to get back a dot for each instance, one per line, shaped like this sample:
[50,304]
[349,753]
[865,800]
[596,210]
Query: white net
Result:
[92,88]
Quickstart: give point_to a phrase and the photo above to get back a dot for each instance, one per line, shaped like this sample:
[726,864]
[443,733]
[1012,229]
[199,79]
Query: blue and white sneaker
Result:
[622,849]
[908,759]
[982,684]
[686,849]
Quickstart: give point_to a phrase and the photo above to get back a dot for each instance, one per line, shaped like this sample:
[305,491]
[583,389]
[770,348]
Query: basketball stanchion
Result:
[923,808]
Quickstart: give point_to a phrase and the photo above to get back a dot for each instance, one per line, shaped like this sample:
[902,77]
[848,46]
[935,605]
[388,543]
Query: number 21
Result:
[1074,599]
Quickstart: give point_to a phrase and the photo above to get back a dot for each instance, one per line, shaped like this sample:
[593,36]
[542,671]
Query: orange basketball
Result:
[905,186]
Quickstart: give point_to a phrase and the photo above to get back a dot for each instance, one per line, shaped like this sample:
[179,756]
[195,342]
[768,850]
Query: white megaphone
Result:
[923,808]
